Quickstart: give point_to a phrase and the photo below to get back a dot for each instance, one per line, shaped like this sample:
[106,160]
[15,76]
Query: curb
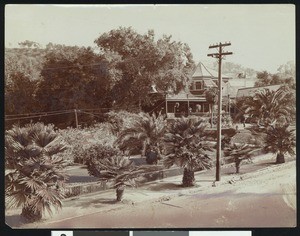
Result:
[75,190]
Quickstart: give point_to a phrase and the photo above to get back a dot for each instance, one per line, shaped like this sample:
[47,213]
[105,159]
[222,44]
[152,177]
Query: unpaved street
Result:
[262,199]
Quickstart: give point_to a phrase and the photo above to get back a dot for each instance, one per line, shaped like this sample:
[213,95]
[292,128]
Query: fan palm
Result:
[33,175]
[184,147]
[269,106]
[147,131]
[280,140]
[238,153]
[121,171]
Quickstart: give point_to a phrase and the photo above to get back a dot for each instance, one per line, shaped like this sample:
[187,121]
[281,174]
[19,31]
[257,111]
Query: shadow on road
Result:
[165,186]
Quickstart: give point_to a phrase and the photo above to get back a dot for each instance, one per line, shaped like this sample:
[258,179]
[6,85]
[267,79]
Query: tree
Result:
[73,78]
[280,140]
[19,94]
[137,61]
[147,131]
[264,79]
[29,44]
[268,106]
[121,171]
[211,96]
[287,73]
[185,147]
[239,153]
[34,176]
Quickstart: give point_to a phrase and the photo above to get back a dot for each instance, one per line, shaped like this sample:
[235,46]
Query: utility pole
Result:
[76,118]
[219,55]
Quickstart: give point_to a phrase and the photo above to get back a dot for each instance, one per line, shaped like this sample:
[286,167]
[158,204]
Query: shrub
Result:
[120,120]
[81,139]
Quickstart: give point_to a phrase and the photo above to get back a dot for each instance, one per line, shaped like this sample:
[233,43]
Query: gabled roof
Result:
[203,71]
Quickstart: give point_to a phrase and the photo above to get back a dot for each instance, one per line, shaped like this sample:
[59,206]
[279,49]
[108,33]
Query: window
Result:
[198,85]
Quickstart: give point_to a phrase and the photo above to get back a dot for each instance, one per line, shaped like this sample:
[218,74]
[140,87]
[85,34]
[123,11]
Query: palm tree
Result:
[185,147]
[238,153]
[280,140]
[147,131]
[269,106]
[121,171]
[34,178]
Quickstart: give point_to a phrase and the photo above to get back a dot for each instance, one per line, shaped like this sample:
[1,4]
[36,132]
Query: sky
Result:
[262,36]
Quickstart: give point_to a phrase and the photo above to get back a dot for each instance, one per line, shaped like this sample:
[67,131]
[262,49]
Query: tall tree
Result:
[139,61]
[19,94]
[72,78]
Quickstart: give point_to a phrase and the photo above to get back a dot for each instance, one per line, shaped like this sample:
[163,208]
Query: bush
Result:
[81,139]
[212,134]
[120,120]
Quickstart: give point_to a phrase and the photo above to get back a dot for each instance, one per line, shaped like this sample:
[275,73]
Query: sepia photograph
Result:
[150,116]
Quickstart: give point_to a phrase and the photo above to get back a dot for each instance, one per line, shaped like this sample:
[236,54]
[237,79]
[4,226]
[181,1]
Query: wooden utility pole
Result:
[219,55]
[76,118]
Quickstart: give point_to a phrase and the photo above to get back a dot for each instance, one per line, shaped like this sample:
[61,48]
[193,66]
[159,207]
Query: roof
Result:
[233,85]
[209,83]
[203,71]
[184,96]
[249,92]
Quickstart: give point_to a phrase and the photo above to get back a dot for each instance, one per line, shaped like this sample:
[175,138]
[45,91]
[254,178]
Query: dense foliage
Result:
[267,106]
[117,74]
[82,141]
[137,61]
[95,155]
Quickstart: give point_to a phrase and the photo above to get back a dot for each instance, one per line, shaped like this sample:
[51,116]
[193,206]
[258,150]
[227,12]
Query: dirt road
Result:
[261,199]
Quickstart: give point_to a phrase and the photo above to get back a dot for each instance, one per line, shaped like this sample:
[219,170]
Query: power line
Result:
[90,114]
[220,54]
[53,112]
[157,106]
[38,116]
[37,113]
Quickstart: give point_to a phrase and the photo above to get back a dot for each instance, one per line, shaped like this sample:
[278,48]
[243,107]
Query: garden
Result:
[37,154]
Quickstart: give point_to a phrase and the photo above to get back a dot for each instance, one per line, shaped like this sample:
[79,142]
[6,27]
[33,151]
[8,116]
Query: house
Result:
[192,100]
